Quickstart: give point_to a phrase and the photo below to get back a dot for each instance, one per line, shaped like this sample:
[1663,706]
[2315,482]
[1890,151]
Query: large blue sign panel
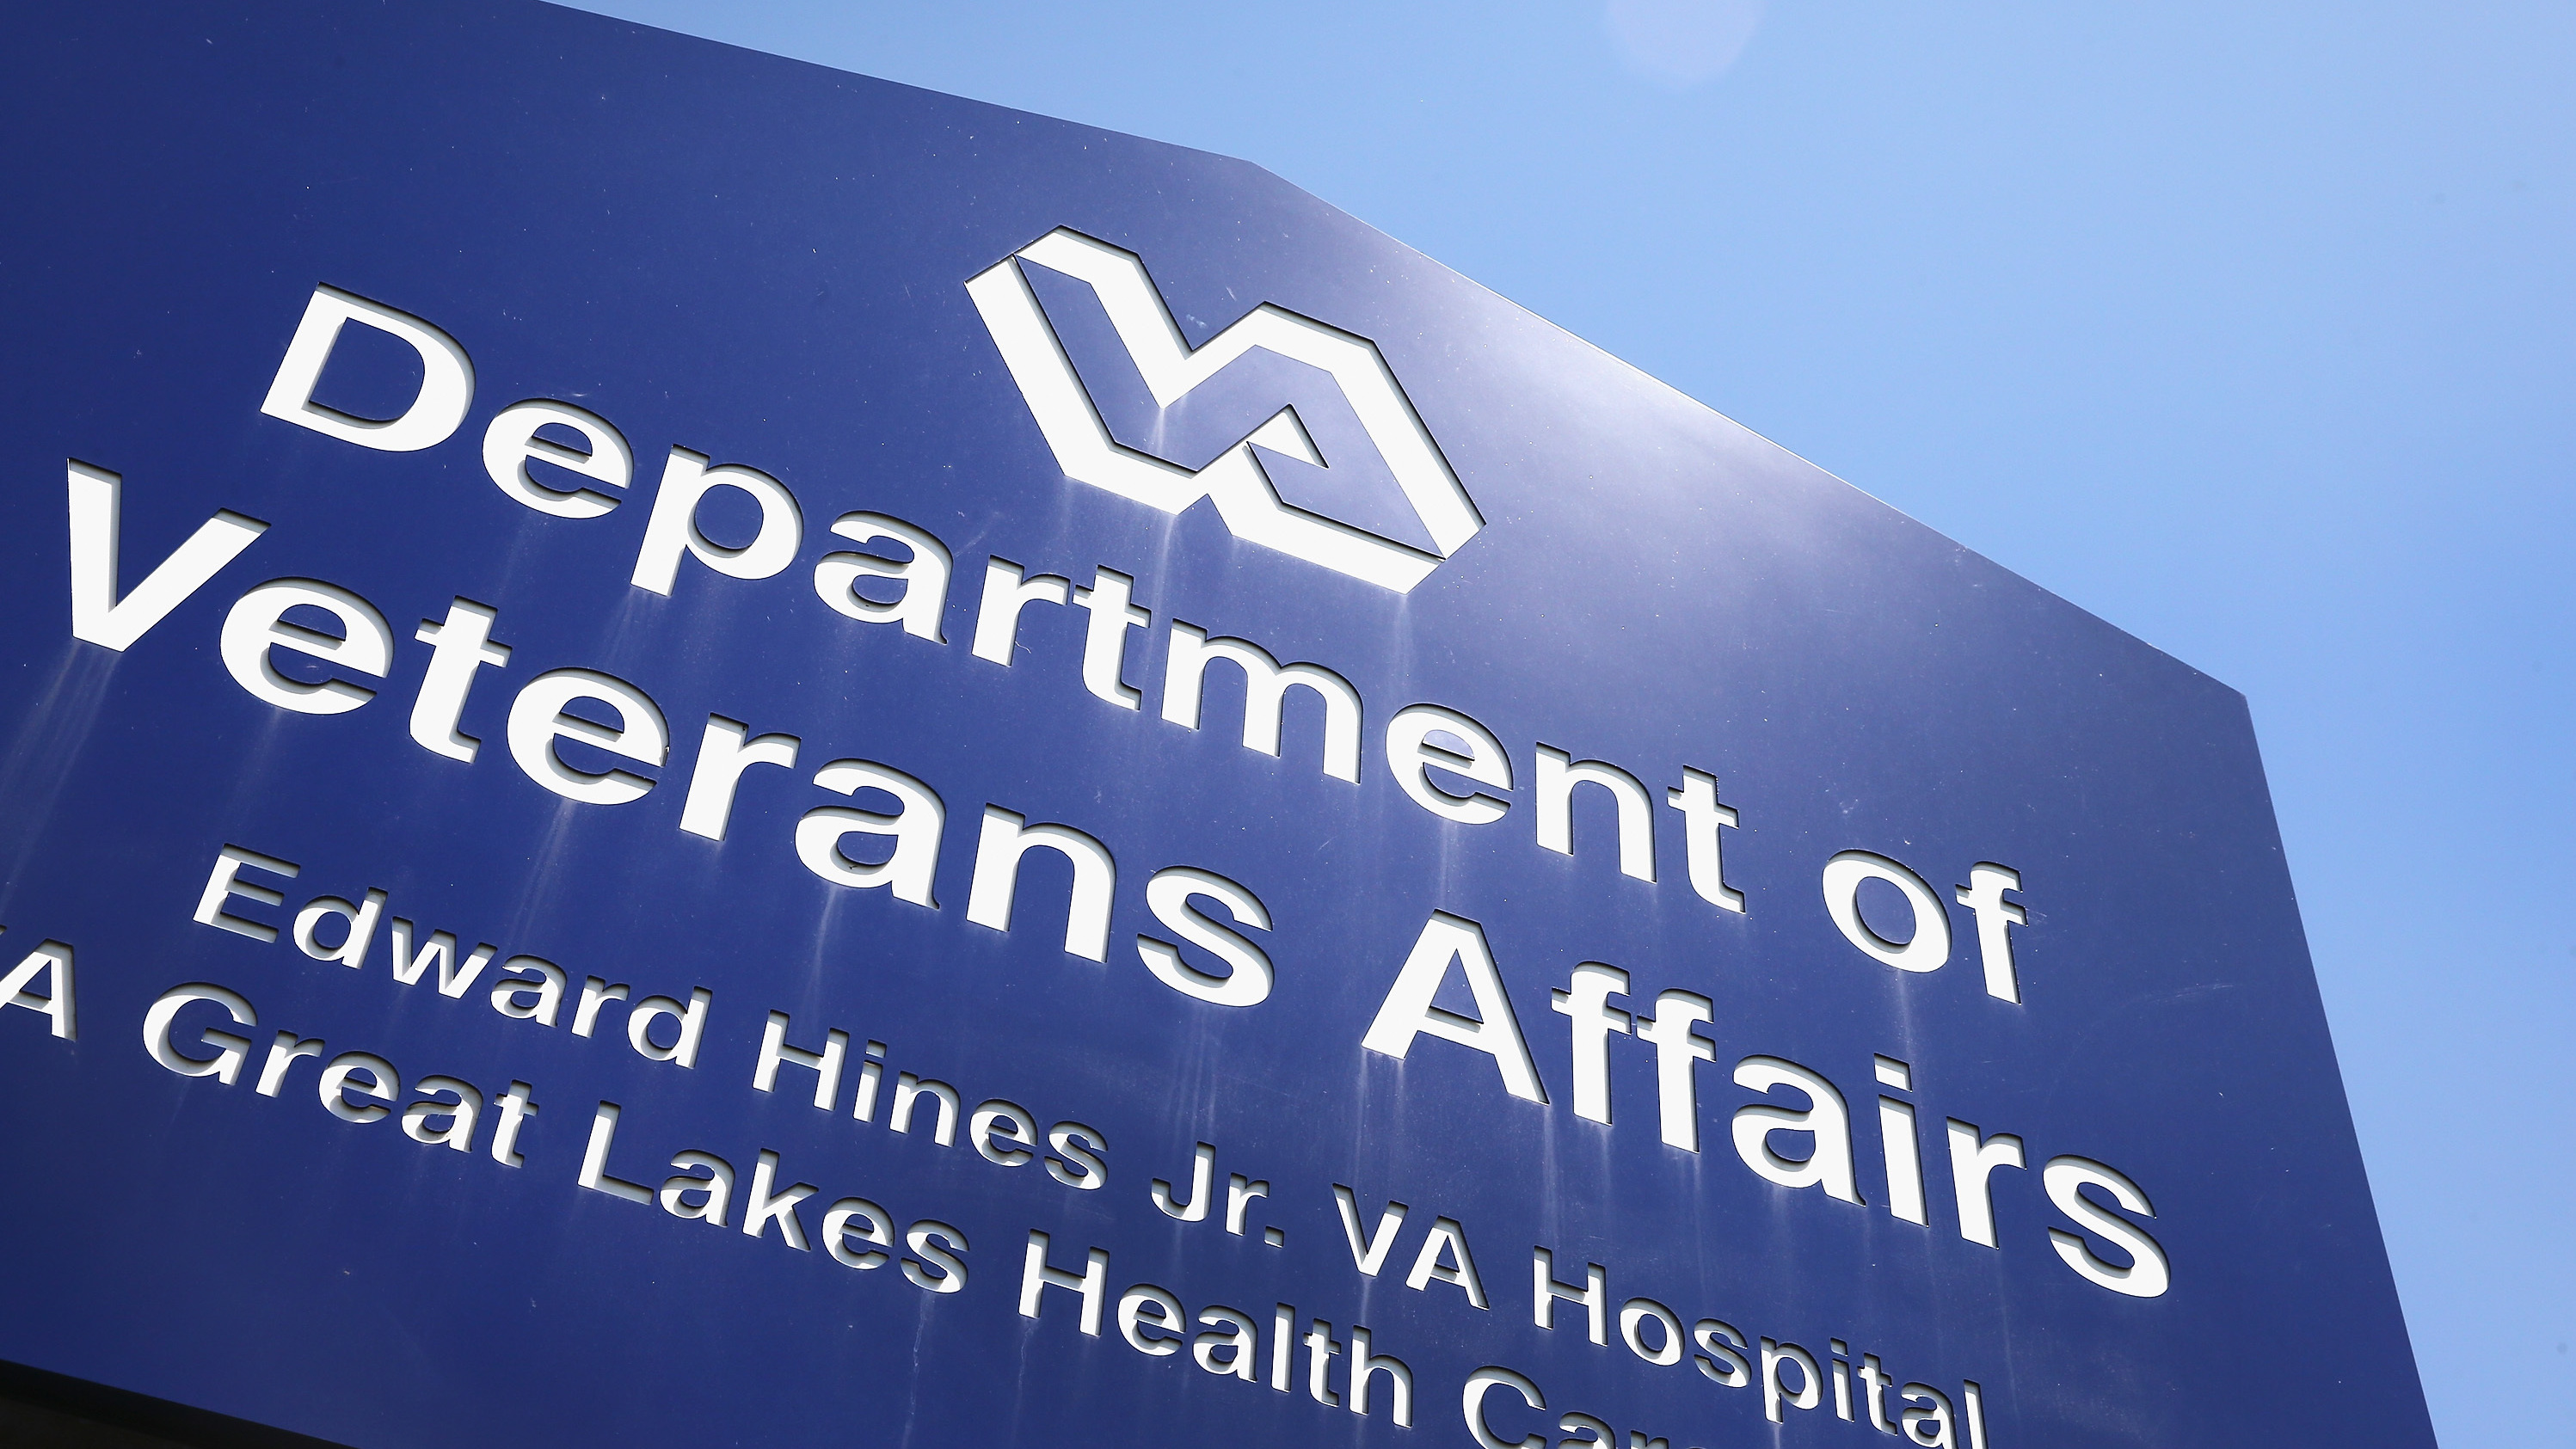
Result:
[699,751]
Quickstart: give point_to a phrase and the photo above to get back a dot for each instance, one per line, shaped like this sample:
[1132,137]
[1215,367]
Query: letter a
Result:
[54,961]
[1408,1011]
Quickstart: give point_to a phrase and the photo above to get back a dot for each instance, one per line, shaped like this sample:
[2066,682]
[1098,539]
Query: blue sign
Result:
[699,751]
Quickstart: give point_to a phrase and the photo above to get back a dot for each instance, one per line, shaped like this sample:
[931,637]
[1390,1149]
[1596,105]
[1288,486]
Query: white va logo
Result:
[1244,494]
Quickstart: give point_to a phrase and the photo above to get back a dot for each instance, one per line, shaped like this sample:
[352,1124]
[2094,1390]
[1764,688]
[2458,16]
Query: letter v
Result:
[1370,1257]
[98,615]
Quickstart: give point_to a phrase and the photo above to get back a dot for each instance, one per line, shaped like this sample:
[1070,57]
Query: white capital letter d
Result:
[446,377]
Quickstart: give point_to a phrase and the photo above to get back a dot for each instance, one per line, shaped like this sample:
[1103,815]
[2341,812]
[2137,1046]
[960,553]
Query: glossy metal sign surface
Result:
[700,751]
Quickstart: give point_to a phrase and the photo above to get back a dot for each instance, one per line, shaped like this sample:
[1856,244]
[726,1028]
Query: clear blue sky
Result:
[2250,328]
